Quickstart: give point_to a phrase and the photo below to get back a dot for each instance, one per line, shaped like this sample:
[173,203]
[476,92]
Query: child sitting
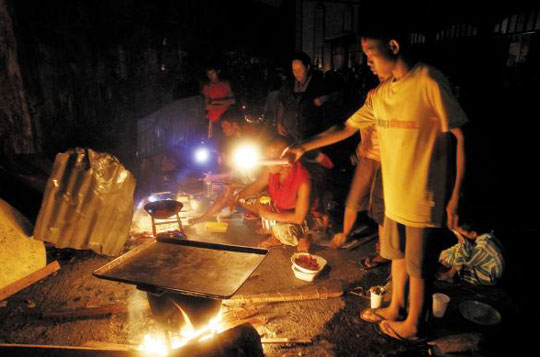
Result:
[476,259]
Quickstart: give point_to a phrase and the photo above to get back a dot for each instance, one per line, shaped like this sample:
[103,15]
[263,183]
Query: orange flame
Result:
[155,345]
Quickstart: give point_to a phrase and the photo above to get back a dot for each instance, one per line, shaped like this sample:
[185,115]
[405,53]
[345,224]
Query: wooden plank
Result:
[29,280]
[61,351]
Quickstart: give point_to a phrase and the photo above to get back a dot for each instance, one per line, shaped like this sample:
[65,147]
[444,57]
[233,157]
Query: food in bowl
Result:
[306,261]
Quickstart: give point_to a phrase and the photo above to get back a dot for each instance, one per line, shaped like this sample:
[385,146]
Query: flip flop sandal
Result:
[369,311]
[369,264]
[411,341]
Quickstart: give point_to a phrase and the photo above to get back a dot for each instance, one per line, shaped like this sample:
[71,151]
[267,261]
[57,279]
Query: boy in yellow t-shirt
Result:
[414,111]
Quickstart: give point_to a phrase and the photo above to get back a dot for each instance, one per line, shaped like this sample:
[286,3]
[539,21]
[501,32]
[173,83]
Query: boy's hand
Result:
[451,213]
[295,151]
[459,236]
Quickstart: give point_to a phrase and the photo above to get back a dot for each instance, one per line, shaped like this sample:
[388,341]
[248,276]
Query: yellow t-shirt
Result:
[413,116]
[369,144]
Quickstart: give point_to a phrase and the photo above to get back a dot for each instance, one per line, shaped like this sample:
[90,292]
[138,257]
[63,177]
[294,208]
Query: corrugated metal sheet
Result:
[172,125]
[88,203]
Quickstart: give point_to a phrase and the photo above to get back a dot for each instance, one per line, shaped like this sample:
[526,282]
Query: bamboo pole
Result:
[316,294]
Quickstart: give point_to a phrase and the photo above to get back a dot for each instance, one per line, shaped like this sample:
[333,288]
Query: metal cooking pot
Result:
[163,209]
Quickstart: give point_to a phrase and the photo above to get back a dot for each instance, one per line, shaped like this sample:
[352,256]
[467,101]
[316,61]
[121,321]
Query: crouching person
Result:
[289,187]
[476,258]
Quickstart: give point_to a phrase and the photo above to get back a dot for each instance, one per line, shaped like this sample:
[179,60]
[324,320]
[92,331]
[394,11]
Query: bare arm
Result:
[255,187]
[453,203]
[217,206]
[331,136]
[301,208]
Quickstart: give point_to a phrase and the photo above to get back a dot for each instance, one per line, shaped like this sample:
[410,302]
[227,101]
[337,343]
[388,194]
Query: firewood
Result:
[28,280]
[316,294]
[242,340]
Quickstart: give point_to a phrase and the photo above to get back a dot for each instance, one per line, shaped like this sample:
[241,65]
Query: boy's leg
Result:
[418,263]
[391,243]
[357,199]
[376,213]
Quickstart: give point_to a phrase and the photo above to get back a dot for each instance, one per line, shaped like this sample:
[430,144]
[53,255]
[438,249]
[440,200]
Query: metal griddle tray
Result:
[187,267]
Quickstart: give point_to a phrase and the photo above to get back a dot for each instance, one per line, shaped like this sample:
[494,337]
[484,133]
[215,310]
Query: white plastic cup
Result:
[440,302]
[376,299]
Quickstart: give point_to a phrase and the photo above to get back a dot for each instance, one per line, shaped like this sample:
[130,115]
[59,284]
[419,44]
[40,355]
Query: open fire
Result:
[161,345]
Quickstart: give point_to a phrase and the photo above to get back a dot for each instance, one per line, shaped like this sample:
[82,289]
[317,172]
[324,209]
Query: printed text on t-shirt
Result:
[397,124]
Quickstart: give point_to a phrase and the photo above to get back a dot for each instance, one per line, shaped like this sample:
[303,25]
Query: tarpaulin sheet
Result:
[172,125]
[88,203]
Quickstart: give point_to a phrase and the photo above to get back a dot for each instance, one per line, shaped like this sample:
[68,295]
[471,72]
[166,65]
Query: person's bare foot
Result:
[388,313]
[270,243]
[399,330]
[303,245]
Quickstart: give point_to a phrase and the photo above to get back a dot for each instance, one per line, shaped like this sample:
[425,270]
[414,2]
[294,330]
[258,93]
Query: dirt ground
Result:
[332,325]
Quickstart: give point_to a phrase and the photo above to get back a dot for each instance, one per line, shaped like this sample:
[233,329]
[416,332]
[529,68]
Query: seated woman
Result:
[289,187]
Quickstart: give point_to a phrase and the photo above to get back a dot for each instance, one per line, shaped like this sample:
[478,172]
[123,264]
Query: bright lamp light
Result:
[202,155]
[246,156]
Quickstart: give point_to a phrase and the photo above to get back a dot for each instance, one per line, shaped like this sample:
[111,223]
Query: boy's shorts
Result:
[415,245]
[366,192]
